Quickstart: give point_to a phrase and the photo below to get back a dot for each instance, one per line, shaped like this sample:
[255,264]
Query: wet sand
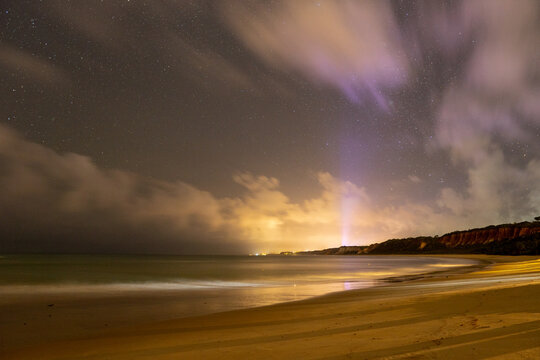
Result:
[492,312]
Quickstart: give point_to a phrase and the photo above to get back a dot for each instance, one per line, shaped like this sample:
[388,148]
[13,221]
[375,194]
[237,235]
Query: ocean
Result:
[206,284]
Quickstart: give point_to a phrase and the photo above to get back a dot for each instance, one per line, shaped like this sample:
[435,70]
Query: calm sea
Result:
[203,284]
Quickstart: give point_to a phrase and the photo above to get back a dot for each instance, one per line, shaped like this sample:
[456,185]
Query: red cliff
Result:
[489,234]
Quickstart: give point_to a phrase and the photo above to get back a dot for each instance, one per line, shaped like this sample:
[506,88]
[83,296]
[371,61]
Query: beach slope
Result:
[490,313]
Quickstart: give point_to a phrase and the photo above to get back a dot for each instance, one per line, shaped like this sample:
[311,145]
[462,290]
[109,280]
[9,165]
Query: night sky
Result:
[257,126]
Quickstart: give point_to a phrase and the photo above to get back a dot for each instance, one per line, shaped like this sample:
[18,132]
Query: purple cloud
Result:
[352,46]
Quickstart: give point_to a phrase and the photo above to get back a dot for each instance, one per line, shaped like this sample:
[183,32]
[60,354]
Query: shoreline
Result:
[396,289]
[30,321]
[482,263]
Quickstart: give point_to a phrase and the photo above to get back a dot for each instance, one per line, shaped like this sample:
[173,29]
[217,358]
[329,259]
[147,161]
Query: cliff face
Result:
[510,238]
[487,235]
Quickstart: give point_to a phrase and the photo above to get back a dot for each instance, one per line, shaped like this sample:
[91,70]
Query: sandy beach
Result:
[491,312]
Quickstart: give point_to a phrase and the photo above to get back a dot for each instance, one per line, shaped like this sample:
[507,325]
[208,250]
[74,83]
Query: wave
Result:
[122,287]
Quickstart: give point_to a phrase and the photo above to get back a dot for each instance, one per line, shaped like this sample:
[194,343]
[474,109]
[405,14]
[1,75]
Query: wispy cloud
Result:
[489,106]
[30,66]
[109,27]
[351,46]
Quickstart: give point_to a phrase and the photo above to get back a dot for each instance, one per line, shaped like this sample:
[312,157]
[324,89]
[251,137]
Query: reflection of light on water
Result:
[354,285]
[517,267]
[495,280]
[447,265]
[374,274]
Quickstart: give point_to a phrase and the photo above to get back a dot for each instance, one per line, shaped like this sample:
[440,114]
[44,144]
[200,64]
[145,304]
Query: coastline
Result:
[38,314]
[284,328]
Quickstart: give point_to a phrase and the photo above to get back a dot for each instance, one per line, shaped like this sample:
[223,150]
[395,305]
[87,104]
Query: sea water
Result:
[203,284]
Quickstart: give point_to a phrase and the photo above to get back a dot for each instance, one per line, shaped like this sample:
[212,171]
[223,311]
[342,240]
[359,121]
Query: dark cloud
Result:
[52,202]
[64,203]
